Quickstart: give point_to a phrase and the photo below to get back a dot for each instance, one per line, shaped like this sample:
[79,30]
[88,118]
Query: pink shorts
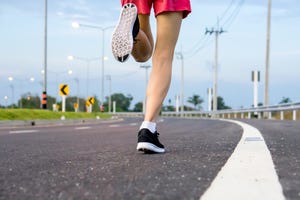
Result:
[160,6]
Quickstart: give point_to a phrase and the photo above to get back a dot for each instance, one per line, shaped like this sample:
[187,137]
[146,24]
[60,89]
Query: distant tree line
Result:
[123,103]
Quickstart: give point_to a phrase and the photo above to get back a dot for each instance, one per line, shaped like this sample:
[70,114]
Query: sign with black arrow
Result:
[92,100]
[63,90]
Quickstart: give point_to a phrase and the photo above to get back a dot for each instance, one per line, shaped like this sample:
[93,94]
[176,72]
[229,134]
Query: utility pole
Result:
[180,57]
[217,32]
[266,99]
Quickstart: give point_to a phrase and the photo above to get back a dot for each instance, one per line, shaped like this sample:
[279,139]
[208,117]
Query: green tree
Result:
[285,100]
[138,107]
[168,108]
[122,102]
[50,101]
[221,104]
[30,101]
[195,100]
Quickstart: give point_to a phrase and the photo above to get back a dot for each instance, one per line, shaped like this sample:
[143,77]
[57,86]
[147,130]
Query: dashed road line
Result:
[23,131]
[249,173]
[83,128]
[132,124]
[114,125]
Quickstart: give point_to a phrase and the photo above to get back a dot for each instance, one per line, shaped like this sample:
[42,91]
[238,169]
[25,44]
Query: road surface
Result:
[99,161]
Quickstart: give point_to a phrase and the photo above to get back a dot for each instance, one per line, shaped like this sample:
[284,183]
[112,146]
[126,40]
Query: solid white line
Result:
[23,131]
[249,173]
[83,128]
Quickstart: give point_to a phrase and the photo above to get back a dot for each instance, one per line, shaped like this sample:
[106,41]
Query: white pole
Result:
[146,67]
[266,100]
[255,88]
[63,103]
[114,106]
[177,103]
[182,85]
[255,80]
[209,98]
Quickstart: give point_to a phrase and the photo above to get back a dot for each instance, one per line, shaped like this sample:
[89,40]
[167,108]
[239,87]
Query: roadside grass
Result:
[30,114]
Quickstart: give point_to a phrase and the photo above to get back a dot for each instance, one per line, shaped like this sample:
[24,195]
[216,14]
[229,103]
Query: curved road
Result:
[99,161]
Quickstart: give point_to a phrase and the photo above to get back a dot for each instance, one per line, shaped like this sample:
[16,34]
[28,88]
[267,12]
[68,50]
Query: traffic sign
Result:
[75,105]
[63,89]
[91,100]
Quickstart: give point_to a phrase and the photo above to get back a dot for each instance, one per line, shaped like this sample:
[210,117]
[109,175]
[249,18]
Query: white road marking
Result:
[249,173]
[114,125]
[83,128]
[23,131]
[132,124]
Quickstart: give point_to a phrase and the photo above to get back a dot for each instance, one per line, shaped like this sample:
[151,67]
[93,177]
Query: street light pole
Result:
[5,98]
[88,61]
[108,77]
[44,95]
[77,82]
[180,56]
[103,29]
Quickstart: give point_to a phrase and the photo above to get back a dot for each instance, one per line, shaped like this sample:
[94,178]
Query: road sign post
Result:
[89,104]
[63,92]
[76,107]
[63,104]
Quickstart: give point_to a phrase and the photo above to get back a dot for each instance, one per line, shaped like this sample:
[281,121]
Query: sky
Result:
[242,48]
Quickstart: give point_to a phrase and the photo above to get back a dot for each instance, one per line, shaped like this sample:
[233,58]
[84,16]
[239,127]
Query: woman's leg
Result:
[168,27]
[143,43]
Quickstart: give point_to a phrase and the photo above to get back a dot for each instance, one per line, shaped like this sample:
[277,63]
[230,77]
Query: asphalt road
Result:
[99,161]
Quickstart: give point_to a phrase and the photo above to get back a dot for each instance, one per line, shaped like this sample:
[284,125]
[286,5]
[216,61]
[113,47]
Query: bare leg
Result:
[143,45]
[168,27]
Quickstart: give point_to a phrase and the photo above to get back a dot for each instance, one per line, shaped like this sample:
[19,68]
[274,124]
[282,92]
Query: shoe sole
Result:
[122,39]
[149,148]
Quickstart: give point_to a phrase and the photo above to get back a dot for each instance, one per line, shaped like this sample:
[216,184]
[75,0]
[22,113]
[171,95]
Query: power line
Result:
[233,15]
[204,41]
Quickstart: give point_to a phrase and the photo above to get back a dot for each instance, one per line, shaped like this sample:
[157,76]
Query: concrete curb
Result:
[28,123]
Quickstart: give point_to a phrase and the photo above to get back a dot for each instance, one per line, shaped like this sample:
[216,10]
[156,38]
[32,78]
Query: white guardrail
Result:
[259,112]
[267,112]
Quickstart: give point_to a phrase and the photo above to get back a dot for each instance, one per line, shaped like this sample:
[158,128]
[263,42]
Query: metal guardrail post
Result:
[269,115]
[281,115]
[294,115]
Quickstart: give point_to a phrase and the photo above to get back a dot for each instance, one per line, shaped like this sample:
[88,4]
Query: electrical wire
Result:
[226,19]
[233,15]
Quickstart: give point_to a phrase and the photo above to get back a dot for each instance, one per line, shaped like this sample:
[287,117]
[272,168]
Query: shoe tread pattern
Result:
[122,39]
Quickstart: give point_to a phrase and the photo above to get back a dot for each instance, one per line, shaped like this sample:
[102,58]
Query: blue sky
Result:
[241,49]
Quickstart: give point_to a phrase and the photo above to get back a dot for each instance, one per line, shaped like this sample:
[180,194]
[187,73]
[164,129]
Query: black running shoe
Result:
[125,32]
[148,142]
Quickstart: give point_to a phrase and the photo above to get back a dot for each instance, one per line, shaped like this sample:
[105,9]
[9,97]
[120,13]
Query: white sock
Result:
[151,126]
